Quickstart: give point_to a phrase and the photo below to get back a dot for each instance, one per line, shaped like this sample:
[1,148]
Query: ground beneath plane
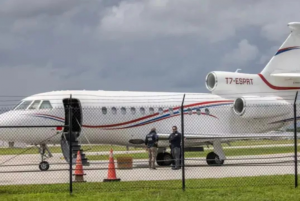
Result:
[24,169]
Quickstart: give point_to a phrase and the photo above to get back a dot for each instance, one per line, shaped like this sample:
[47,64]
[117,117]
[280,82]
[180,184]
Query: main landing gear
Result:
[215,158]
[164,159]
[44,165]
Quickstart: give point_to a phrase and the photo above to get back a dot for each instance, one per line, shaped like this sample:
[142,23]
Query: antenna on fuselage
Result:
[237,70]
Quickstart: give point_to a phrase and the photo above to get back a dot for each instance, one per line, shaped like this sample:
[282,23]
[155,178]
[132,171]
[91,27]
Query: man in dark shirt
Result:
[175,145]
[151,141]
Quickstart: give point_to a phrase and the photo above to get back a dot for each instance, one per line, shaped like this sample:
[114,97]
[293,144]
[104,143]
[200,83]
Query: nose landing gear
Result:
[44,165]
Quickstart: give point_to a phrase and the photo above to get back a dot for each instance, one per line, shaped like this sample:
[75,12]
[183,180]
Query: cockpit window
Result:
[46,105]
[34,105]
[23,105]
[16,105]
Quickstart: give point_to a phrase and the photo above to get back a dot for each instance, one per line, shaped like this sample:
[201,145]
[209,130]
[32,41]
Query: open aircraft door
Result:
[76,118]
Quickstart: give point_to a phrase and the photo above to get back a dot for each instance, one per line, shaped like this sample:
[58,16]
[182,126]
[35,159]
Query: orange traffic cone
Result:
[111,175]
[78,169]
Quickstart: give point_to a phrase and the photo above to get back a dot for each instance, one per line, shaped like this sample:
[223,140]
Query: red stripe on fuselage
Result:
[174,115]
[276,87]
[287,48]
[51,116]
[146,117]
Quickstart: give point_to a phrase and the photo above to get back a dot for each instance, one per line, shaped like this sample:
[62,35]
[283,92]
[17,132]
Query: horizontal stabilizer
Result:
[286,75]
[294,26]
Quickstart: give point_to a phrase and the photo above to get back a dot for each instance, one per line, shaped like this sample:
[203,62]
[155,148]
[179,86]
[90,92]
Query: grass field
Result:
[99,148]
[225,189]
[57,149]
[228,152]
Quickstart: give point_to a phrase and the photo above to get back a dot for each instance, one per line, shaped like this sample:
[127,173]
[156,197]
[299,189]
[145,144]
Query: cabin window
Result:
[132,110]
[160,110]
[46,105]
[123,110]
[198,111]
[190,111]
[23,105]
[104,110]
[34,105]
[114,110]
[151,110]
[207,111]
[142,110]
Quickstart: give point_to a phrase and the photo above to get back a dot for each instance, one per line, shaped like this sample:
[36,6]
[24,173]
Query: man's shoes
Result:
[175,168]
[152,168]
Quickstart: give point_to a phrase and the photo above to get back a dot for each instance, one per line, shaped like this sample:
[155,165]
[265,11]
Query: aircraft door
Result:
[76,115]
[76,119]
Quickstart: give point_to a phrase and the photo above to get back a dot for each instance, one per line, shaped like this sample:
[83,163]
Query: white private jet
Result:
[124,118]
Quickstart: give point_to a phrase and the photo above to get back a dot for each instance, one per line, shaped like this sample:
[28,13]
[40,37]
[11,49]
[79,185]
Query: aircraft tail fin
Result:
[287,58]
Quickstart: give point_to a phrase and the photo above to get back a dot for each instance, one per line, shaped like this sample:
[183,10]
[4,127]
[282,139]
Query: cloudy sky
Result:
[140,45]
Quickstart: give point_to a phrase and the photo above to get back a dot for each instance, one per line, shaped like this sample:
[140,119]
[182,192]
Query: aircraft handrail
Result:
[84,135]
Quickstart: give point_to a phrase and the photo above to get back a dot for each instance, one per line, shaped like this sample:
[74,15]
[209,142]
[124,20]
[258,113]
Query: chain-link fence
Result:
[222,144]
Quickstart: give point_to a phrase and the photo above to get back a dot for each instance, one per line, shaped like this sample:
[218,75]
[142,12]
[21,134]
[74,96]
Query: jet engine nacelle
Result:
[261,107]
[218,81]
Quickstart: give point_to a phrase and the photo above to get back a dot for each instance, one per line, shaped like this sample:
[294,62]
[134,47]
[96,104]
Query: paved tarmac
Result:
[24,169]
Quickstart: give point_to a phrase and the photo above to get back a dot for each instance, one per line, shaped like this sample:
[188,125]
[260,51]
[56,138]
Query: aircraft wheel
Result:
[44,166]
[213,159]
[164,159]
[159,159]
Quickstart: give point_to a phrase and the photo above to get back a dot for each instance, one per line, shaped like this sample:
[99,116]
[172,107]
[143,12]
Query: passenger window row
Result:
[45,104]
[151,110]
[34,105]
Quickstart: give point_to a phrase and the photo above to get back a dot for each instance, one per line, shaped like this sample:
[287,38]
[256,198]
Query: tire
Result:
[168,159]
[44,166]
[159,159]
[164,159]
[213,159]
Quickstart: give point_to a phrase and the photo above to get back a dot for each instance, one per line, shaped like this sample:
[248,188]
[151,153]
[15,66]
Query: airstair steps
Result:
[75,148]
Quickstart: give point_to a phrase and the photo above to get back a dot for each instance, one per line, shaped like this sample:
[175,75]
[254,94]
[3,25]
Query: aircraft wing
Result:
[214,136]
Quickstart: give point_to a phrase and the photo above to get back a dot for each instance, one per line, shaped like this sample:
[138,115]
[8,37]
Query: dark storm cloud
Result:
[148,45]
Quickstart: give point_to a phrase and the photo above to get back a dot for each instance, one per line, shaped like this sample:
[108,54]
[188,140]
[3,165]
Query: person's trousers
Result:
[152,156]
[176,156]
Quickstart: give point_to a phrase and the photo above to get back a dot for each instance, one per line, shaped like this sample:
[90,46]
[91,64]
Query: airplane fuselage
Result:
[120,117]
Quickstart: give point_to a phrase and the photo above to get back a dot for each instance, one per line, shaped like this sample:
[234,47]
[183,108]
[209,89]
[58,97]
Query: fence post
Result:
[182,144]
[295,141]
[70,143]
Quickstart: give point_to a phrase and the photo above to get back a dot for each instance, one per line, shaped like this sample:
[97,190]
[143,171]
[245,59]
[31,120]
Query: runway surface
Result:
[24,169]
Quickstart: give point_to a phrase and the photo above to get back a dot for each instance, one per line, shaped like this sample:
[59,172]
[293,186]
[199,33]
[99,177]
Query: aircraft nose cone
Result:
[6,133]
[8,119]
[2,120]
